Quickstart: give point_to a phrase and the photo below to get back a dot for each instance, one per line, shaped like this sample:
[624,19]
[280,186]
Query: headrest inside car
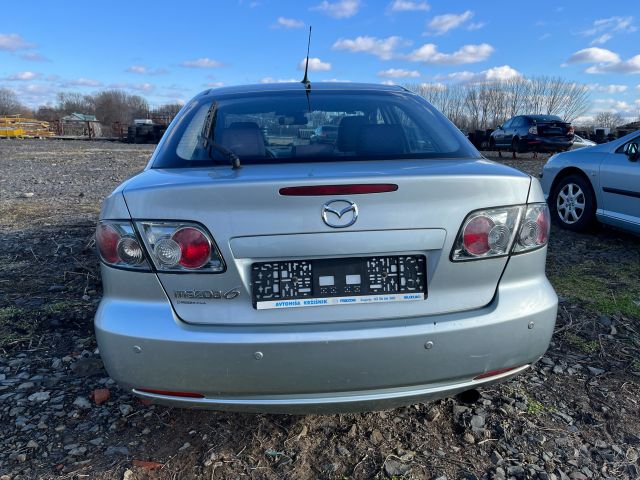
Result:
[380,140]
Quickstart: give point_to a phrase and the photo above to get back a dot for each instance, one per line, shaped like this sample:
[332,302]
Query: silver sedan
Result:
[249,269]
[596,183]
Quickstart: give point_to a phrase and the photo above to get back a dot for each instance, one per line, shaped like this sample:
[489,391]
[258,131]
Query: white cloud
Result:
[476,26]
[143,87]
[408,6]
[12,42]
[201,63]
[388,82]
[284,22]
[594,55]
[338,9]
[34,57]
[383,48]
[605,61]
[428,53]
[138,87]
[398,73]
[604,28]
[607,88]
[628,66]
[214,84]
[441,24]
[277,80]
[82,82]
[604,38]
[143,70]
[494,74]
[23,76]
[638,87]
[315,65]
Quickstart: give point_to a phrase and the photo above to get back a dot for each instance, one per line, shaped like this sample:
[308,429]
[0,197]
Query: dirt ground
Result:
[574,415]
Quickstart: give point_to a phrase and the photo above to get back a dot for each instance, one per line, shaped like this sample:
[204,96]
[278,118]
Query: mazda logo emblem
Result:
[339,213]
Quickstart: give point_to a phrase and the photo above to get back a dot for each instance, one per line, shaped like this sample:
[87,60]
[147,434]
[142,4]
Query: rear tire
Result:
[572,203]
[515,146]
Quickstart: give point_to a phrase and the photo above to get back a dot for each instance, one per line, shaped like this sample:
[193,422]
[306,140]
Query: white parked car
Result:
[579,142]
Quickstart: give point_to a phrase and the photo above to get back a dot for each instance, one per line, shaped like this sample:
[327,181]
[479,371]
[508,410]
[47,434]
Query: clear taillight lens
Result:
[119,246]
[496,232]
[533,130]
[180,246]
[487,233]
[534,229]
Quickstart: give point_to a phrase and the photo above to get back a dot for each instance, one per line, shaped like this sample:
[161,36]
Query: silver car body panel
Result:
[319,367]
[244,211]
[479,317]
[615,180]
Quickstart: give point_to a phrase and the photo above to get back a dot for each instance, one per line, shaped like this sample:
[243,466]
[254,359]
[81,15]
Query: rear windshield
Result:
[287,126]
[545,118]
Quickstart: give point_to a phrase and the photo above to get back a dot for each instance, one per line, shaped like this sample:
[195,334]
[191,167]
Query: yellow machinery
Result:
[14,126]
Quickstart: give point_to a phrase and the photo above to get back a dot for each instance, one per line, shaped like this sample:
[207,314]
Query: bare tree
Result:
[9,103]
[75,102]
[483,105]
[608,120]
[117,106]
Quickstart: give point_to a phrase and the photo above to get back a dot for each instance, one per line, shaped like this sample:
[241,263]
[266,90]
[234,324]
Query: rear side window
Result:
[277,127]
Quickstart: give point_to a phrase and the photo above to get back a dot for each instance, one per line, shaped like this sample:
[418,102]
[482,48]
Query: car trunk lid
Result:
[252,222]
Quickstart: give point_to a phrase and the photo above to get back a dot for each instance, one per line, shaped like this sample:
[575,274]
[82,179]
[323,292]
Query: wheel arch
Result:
[565,172]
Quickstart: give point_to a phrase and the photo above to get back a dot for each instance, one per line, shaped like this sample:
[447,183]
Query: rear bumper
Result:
[318,368]
[546,144]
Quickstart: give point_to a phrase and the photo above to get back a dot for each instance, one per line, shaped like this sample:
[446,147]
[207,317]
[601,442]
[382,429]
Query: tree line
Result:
[109,107]
[480,106]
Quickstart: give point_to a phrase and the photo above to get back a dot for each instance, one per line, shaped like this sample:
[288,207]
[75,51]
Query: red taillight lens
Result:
[534,228]
[119,245]
[107,238]
[195,247]
[570,130]
[180,246]
[475,236]
[544,223]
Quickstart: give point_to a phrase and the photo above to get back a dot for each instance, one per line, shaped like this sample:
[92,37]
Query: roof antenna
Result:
[305,80]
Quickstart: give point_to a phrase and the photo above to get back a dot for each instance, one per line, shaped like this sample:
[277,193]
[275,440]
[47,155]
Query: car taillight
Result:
[534,228]
[533,130]
[570,130]
[496,232]
[119,246]
[180,246]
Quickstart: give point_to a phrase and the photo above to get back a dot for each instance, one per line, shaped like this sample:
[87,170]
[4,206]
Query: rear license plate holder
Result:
[338,281]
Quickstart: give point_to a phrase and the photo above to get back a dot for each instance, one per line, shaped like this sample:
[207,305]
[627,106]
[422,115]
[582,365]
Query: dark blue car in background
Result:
[532,133]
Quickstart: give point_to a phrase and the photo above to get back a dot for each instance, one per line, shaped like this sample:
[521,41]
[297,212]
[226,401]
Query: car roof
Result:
[300,87]
[541,116]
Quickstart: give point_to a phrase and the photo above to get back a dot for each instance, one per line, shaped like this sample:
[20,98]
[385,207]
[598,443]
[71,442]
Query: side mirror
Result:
[633,152]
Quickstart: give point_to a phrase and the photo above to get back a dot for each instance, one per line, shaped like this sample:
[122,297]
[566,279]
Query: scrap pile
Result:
[14,126]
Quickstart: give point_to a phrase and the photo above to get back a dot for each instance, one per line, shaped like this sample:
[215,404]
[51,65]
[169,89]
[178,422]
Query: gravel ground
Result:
[574,415]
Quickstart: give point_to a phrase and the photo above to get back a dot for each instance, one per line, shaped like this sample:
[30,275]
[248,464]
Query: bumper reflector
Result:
[495,373]
[171,394]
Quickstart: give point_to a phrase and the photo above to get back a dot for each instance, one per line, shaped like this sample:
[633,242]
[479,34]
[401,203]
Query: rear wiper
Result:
[228,154]
[207,134]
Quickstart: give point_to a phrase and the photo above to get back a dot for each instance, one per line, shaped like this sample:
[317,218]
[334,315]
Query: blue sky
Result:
[170,51]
